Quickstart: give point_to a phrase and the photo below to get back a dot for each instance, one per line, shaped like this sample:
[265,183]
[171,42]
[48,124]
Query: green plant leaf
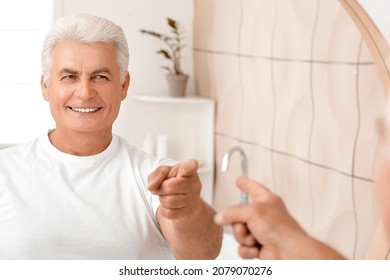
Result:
[165,53]
[152,33]
[172,23]
[173,42]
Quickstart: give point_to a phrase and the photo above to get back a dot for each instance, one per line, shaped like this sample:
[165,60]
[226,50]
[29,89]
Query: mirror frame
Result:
[380,51]
[374,39]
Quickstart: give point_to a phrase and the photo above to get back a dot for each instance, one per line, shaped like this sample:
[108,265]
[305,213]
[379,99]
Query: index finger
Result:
[188,168]
[184,169]
[252,188]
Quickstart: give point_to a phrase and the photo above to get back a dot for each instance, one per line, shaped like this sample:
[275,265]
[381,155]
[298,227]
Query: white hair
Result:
[88,29]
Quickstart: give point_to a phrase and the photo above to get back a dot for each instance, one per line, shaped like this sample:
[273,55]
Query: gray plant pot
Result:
[177,85]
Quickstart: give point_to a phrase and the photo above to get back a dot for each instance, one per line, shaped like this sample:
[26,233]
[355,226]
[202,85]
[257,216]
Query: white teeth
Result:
[85,110]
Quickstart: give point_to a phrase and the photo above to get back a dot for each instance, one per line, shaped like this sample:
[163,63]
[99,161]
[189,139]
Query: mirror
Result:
[298,90]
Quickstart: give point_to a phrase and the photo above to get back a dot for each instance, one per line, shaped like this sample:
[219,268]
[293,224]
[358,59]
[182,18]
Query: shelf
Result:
[173,100]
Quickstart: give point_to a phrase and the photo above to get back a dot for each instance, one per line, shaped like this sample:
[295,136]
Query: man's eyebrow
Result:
[94,72]
[67,71]
[101,71]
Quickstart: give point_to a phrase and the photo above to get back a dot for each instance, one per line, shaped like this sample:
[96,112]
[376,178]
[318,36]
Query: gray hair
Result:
[88,29]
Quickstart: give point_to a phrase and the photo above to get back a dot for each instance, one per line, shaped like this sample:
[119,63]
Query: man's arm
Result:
[187,222]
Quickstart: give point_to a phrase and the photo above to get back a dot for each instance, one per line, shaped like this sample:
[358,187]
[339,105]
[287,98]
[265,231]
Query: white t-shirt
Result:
[58,206]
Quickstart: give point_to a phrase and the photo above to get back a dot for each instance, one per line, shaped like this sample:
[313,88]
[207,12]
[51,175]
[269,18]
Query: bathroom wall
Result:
[296,87]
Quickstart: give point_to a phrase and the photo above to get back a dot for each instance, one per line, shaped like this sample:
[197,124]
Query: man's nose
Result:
[85,89]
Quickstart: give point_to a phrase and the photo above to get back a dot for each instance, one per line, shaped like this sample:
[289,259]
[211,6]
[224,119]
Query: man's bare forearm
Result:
[197,236]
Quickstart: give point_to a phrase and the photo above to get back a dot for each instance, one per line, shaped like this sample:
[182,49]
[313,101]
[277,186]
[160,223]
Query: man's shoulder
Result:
[124,145]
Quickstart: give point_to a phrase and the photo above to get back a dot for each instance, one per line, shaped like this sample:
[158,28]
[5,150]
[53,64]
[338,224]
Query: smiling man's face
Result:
[84,88]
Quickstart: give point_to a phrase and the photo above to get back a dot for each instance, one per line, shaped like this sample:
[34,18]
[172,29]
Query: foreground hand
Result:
[178,188]
[264,221]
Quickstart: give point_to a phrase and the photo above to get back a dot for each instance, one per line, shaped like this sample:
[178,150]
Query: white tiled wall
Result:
[296,87]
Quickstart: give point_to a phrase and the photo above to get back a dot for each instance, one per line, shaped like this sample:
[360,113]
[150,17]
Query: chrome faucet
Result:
[244,166]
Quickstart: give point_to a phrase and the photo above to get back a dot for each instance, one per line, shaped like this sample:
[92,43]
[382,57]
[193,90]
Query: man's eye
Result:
[100,78]
[69,78]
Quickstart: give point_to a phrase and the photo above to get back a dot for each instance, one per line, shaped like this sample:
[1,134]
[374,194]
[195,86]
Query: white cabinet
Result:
[188,124]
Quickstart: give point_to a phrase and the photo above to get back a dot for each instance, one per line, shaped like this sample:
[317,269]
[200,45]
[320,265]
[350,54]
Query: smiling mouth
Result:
[85,110]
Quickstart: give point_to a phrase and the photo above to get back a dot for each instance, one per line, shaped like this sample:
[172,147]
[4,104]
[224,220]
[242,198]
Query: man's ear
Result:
[125,86]
[45,92]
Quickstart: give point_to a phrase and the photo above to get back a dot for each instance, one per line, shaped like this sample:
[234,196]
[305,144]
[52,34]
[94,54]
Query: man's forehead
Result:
[80,58]
[83,51]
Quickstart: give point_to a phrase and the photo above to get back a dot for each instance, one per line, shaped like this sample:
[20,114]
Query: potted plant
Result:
[177,79]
